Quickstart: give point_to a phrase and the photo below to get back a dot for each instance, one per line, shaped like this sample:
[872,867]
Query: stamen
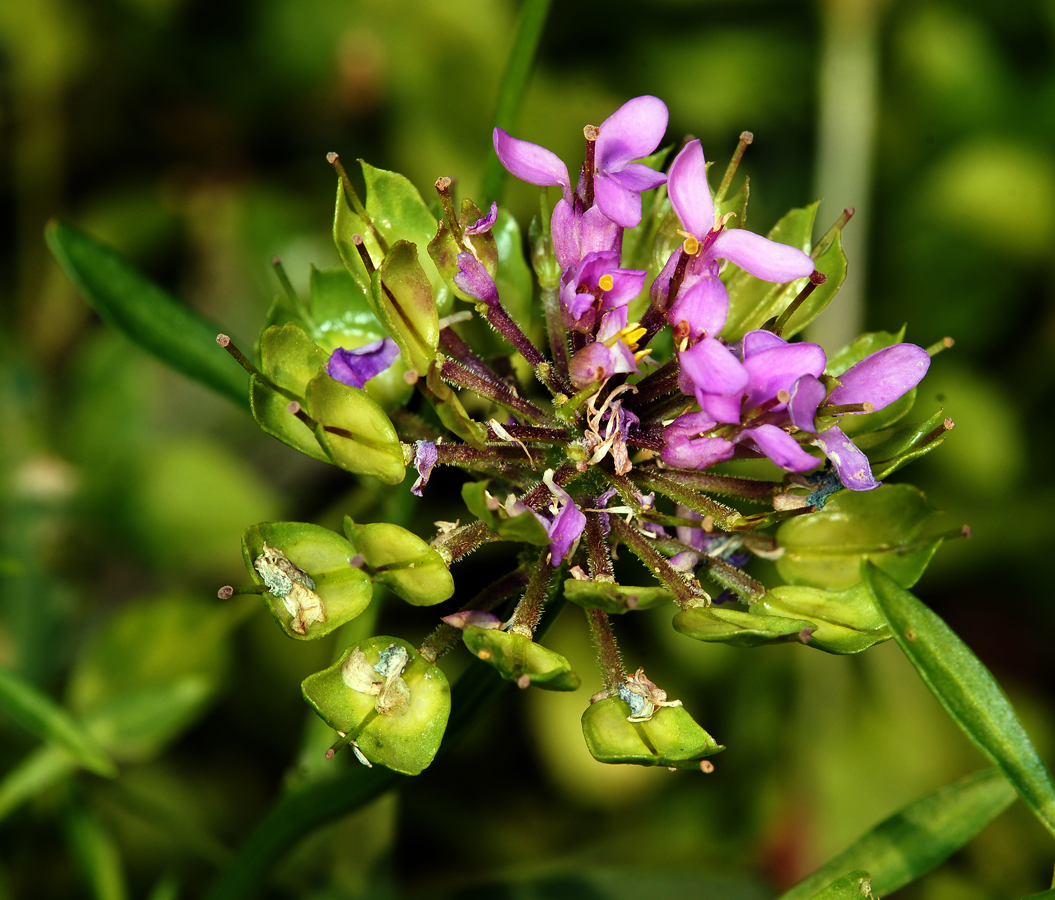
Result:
[353,200]
[738,154]
[762,408]
[606,282]
[944,344]
[283,279]
[825,242]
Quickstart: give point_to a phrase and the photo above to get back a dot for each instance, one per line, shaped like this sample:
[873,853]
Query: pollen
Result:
[606,282]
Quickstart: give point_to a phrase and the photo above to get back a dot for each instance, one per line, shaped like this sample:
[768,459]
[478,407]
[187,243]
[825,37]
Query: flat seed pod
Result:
[614,598]
[670,738]
[741,629]
[516,657]
[321,555]
[398,726]
[843,622]
[403,562]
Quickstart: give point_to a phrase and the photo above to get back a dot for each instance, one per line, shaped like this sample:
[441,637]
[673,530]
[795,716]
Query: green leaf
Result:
[404,742]
[842,622]
[43,717]
[614,598]
[149,673]
[670,738]
[825,549]
[854,886]
[355,430]
[917,838]
[402,562]
[967,690]
[741,629]
[515,656]
[96,854]
[893,448]
[152,318]
[324,555]
[402,299]
[42,769]
[832,262]
[752,301]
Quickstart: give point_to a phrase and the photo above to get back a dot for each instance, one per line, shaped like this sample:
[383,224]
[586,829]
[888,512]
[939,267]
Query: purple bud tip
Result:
[226,592]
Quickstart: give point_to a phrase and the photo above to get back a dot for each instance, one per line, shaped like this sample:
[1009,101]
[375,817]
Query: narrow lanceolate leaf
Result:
[95,851]
[43,717]
[855,886]
[155,320]
[967,690]
[42,769]
[919,837]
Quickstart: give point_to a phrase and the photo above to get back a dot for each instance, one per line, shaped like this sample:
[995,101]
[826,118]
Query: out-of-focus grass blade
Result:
[152,318]
[967,690]
[854,886]
[43,717]
[1043,895]
[96,854]
[919,837]
[44,767]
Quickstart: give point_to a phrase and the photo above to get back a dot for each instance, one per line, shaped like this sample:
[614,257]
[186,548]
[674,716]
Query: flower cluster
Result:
[670,357]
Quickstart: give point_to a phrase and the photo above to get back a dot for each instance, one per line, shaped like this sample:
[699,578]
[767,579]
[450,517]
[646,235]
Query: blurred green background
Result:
[191,135]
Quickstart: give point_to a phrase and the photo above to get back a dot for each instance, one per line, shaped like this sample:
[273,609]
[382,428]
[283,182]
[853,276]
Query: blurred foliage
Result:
[192,137]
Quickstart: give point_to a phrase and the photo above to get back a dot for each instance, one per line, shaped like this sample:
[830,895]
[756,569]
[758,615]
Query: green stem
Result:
[514,86]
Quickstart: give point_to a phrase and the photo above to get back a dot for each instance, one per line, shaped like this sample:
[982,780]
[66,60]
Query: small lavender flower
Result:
[474,280]
[567,524]
[576,232]
[425,456]
[357,366]
[596,292]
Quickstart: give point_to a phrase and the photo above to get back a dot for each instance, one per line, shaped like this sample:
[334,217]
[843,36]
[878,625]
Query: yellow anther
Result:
[640,355]
[691,246]
[629,336]
[606,282]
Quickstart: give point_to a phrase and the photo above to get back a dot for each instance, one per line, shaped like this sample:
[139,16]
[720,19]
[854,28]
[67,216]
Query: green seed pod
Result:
[402,561]
[389,702]
[402,299]
[670,738]
[354,430]
[614,598]
[290,359]
[518,658]
[312,589]
[843,622]
[741,629]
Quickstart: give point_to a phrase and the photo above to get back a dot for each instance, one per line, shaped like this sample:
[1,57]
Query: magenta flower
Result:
[357,366]
[702,301]
[633,131]
[594,294]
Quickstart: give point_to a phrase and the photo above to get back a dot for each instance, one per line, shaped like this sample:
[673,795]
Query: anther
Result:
[606,282]
[706,766]
[738,154]
[410,376]
[944,344]
[364,254]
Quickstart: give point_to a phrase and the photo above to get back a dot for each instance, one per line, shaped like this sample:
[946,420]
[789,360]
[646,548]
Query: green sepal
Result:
[831,261]
[741,629]
[893,448]
[368,443]
[402,562]
[401,297]
[444,248]
[825,549]
[752,301]
[524,527]
[406,743]
[670,738]
[450,410]
[324,555]
[612,597]
[843,622]
[516,655]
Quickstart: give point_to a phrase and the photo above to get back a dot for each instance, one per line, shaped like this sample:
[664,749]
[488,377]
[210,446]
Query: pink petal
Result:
[781,448]
[620,205]
[883,376]
[806,395]
[757,341]
[631,132]
[712,368]
[689,194]
[851,464]
[763,258]
[531,163]
[703,304]
[638,177]
[777,369]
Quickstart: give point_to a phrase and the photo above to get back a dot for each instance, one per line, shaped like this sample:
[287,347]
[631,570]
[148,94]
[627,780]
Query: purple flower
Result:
[631,132]
[357,366]
[425,456]
[596,292]
[702,301]
[576,232]
[567,523]
[597,361]
[472,279]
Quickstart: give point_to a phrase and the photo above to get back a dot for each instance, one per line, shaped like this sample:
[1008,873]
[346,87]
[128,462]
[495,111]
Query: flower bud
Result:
[311,587]
[386,698]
